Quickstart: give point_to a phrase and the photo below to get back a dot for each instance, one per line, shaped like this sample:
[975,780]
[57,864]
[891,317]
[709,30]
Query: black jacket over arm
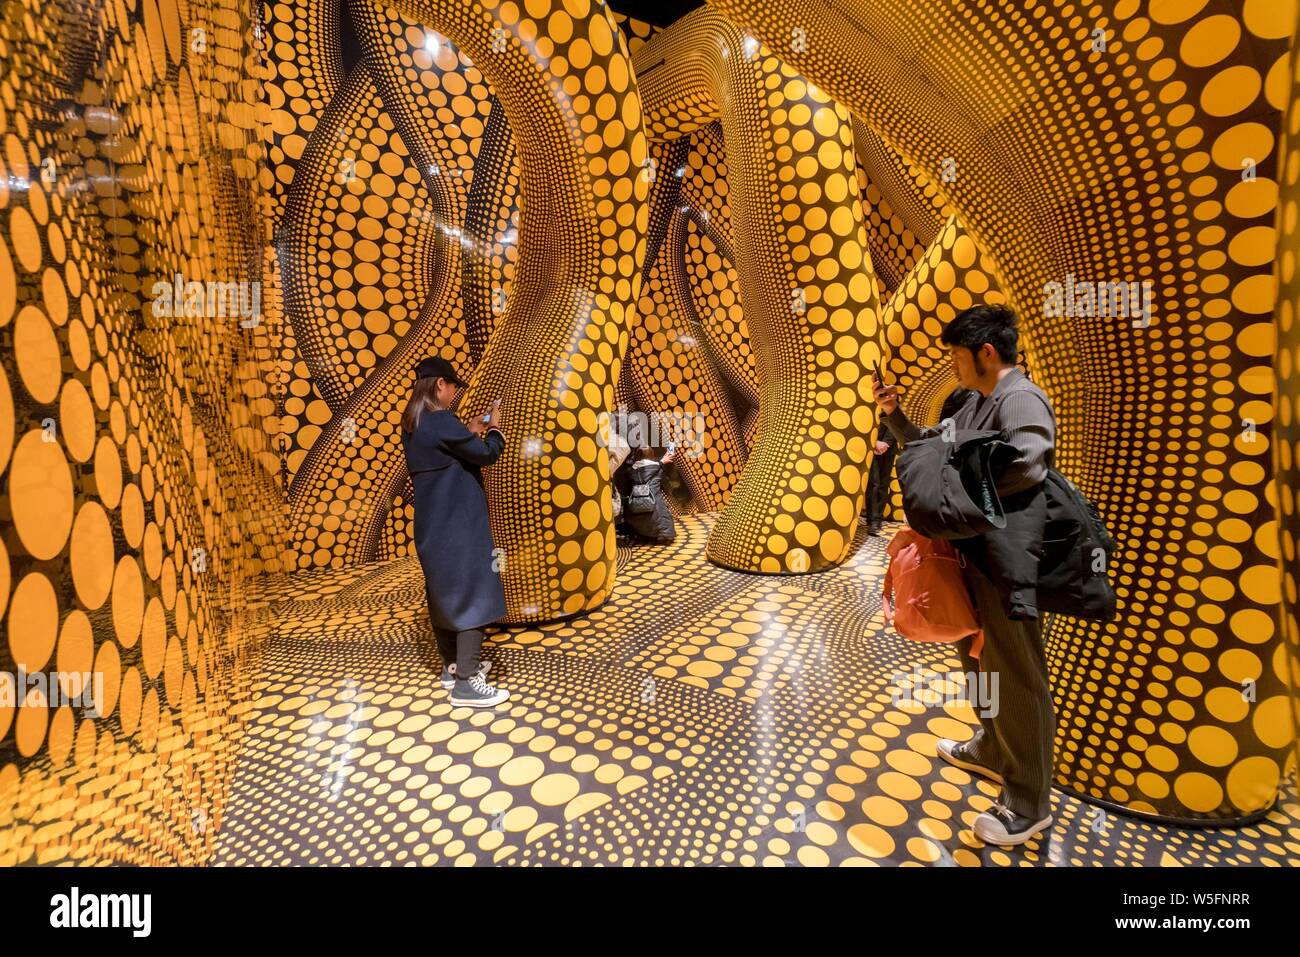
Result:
[1022,413]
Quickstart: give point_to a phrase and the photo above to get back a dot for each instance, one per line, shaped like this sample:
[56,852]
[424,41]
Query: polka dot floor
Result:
[699,717]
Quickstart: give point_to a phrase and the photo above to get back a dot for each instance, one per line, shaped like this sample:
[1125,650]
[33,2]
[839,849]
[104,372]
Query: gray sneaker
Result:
[448,678]
[957,755]
[477,693]
[1004,827]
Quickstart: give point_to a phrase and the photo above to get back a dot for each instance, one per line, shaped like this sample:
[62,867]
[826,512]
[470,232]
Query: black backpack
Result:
[1074,570]
[644,492]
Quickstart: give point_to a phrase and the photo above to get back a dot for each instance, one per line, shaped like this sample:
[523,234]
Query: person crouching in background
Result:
[645,507]
[453,538]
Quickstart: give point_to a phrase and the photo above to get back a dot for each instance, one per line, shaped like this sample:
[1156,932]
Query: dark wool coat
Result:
[452,535]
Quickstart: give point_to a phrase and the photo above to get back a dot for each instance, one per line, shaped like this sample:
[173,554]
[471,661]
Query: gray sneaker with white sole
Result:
[1002,826]
[477,693]
[957,755]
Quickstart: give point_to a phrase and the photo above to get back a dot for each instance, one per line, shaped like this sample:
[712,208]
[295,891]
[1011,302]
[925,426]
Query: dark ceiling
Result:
[659,12]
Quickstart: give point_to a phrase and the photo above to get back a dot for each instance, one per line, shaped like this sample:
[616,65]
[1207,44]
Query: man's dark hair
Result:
[994,324]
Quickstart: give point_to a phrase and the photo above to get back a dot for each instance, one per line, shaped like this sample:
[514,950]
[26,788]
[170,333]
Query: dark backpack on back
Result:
[1074,571]
[645,488]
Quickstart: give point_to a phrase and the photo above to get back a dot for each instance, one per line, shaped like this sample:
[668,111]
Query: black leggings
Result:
[461,647]
[879,475]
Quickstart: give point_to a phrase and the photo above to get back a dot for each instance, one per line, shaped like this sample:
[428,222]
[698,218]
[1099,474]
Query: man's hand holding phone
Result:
[886,396]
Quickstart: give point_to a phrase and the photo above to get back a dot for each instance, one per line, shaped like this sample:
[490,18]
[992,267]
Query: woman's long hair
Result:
[422,400]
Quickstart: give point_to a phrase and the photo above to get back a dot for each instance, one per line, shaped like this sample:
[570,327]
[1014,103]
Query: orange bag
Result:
[925,596]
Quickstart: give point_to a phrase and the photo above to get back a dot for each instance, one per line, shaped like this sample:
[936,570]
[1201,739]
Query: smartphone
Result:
[879,378]
[488,416]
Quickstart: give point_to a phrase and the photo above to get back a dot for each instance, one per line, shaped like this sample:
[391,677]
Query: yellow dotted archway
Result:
[805,276]
[562,76]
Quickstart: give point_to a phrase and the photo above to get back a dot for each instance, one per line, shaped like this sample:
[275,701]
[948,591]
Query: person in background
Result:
[881,472]
[879,476]
[1014,746]
[453,538]
[645,507]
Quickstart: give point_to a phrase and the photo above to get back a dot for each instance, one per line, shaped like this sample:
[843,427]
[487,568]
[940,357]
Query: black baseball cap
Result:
[437,367]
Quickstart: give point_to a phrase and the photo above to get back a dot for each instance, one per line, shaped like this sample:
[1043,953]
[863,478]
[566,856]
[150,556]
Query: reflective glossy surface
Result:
[702,716]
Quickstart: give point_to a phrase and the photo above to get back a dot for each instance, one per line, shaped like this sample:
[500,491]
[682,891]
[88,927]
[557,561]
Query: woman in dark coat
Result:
[640,482]
[452,535]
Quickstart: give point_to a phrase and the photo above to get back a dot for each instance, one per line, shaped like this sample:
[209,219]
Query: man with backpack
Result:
[1014,745]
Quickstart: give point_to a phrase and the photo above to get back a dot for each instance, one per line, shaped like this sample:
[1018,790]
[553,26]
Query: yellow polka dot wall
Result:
[230,230]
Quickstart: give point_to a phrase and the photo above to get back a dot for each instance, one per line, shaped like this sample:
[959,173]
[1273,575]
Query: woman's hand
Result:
[885,396]
[492,413]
